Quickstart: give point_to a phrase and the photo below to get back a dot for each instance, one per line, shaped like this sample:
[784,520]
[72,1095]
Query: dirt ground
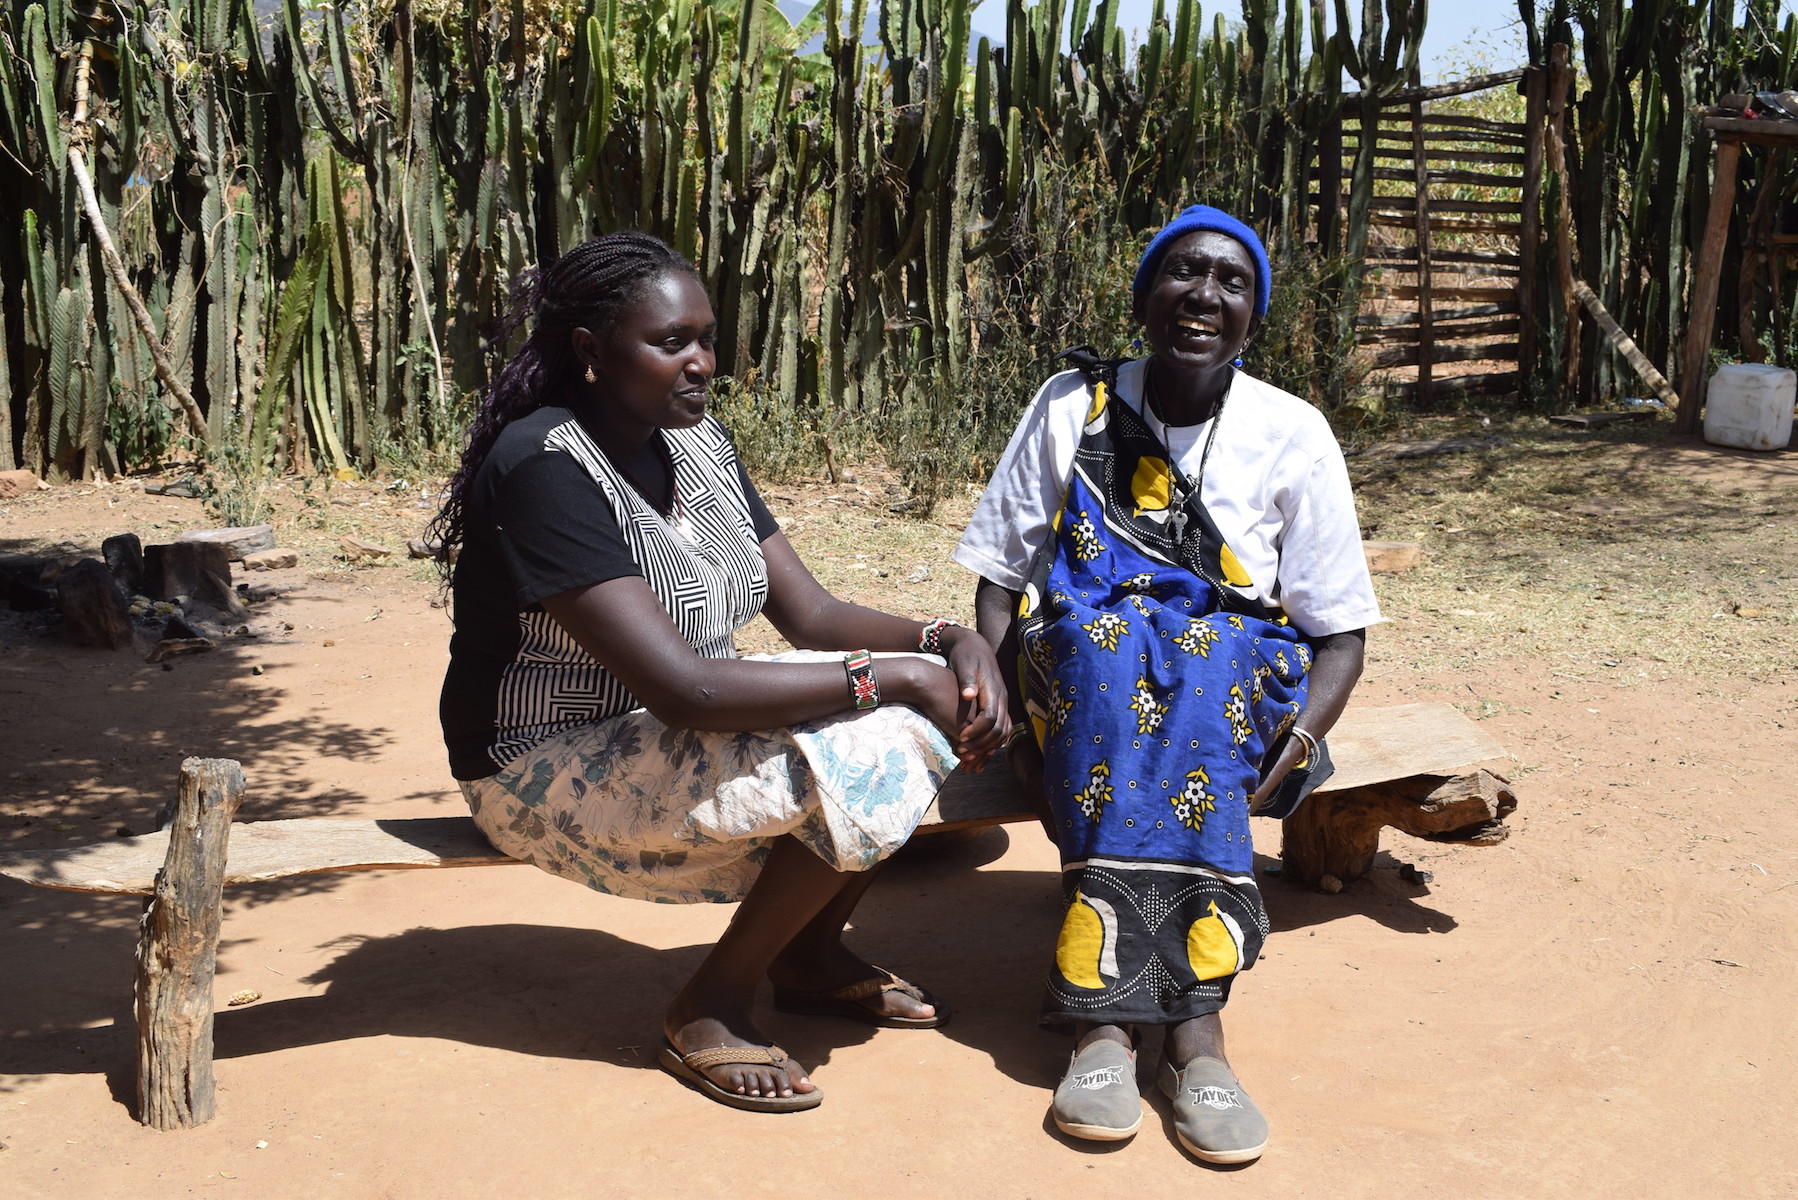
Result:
[1600,1006]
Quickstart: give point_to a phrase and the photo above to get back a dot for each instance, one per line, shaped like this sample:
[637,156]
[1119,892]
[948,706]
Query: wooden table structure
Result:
[1731,134]
[1414,767]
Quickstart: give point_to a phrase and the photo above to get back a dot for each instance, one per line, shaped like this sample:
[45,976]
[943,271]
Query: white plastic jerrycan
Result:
[1749,406]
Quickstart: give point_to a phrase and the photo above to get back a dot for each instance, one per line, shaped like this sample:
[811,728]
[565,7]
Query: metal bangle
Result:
[1306,740]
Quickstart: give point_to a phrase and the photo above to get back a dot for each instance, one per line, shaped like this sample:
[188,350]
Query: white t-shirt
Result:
[1275,484]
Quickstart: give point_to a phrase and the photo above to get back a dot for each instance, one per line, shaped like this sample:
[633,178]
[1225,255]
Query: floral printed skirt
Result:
[634,808]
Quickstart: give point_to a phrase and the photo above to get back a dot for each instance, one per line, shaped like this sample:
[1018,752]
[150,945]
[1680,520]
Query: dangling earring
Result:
[592,378]
[1237,363]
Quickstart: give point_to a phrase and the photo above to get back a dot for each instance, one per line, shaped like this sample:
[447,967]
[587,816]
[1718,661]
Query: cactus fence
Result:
[320,211]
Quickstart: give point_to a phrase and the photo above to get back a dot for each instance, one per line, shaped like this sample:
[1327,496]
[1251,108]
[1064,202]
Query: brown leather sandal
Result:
[690,1069]
[850,1002]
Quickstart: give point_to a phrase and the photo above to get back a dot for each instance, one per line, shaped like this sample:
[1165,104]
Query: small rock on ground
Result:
[14,484]
[362,550]
[272,560]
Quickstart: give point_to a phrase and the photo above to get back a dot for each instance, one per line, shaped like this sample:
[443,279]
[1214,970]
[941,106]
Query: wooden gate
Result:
[1452,236]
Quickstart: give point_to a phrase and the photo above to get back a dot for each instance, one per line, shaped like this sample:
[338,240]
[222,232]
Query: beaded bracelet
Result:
[1306,740]
[931,640]
[863,689]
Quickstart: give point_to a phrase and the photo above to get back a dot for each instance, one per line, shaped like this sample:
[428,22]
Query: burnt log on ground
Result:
[93,608]
[237,540]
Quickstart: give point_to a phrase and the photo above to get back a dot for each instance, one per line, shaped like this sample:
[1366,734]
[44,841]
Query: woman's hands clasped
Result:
[983,713]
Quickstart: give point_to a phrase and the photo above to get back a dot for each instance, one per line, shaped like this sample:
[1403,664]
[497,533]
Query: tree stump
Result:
[1338,833]
[177,951]
[198,570]
[93,607]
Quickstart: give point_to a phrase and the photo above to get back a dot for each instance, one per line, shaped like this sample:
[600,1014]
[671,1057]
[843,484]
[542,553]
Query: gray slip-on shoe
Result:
[1097,1098]
[1214,1117]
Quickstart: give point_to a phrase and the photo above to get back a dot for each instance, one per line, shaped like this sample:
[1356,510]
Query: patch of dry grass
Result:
[862,545]
[1622,552]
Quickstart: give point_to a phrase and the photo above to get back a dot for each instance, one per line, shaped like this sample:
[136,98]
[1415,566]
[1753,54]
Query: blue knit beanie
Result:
[1202,218]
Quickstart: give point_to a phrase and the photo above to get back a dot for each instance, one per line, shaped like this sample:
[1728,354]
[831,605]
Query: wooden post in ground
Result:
[1535,98]
[1695,381]
[177,951]
[1560,85]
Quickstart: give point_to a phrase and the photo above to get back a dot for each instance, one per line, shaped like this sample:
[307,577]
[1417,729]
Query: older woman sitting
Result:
[1169,550]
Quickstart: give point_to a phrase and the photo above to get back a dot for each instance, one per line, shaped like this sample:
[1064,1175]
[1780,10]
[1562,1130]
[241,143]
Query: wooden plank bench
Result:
[1414,767]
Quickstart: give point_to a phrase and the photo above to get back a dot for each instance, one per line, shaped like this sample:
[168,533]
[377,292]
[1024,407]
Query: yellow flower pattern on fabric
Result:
[1105,630]
[1142,581]
[1193,801]
[1236,711]
[1087,545]
[1197,638]
[1262,673]
[1060,705]
[1093,798]
[1149,712]
[1235,621]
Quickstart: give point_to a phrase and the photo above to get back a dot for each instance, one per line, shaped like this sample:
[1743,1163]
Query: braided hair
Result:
[588,287]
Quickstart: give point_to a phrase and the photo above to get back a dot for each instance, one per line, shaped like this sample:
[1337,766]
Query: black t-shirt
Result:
[537,524]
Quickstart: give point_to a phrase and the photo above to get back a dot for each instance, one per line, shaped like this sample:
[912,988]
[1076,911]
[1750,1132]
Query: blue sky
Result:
[1462,37]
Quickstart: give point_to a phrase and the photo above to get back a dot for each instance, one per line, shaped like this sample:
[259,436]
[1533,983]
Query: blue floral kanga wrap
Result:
[634,808]
[1155,689]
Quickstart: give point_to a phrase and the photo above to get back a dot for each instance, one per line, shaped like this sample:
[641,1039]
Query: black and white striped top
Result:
[549,512]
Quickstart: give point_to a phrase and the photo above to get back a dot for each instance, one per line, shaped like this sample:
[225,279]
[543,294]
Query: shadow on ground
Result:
[95,738]
[980,938]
